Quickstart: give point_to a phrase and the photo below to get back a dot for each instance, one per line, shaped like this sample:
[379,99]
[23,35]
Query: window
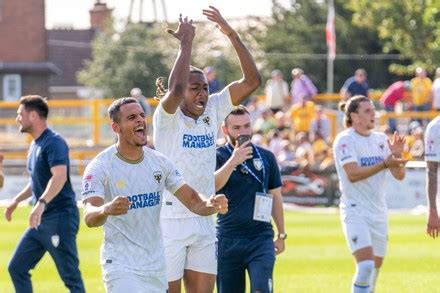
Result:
[11,87]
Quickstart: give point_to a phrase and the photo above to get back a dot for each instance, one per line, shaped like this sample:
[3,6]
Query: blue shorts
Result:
[236,255]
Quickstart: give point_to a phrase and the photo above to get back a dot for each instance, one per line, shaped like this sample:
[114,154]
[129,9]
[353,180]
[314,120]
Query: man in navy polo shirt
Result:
[249,177]
[355,85]
[54,220]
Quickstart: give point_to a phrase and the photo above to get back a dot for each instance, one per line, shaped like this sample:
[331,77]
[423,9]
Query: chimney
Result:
[99,15]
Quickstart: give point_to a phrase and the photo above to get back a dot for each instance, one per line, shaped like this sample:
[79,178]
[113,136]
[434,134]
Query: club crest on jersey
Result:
[158,176]
[206,120]
[258,164]
[344,149]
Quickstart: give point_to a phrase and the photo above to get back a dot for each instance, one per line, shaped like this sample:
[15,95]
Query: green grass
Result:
[316,259]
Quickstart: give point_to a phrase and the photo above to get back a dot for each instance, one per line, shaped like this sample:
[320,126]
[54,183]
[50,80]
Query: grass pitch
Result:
[316,260]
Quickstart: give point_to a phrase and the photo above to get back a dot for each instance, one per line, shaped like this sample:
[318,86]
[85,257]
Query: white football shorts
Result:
[363,230]
[190,244]
[125,282]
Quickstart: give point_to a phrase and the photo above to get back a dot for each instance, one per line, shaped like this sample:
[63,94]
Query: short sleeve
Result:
[432,144]
[174,179]
[274,175]
[57,152]
[163,120]
[344,151]
[222,103]
[94,178]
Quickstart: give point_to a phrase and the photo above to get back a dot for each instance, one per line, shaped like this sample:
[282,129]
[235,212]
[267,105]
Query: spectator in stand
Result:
[355,85]
[277,92]
[421,91]
[304,151]
[275,142]
[302,88]
[301,116]
[213,83]
[265,122]
[2,177]
[137,94]
[320,125]
[394,93]
[436,91]
[286,155]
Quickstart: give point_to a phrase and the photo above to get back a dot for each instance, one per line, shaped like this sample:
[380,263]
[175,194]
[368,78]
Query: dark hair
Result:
[351,106]
[161,90]
[35,103]
[115,107]
[240,110]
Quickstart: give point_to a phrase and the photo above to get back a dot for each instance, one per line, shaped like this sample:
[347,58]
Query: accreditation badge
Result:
[263,207]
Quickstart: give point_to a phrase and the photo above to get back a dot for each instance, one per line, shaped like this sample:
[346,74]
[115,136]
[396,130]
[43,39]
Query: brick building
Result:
[24,64]
[34,60]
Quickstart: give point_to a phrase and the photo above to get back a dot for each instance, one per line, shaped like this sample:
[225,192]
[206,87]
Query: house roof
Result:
[29,67]
[68,49]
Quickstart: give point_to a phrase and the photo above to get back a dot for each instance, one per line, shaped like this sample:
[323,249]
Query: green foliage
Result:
[133,58]
[291,34]
[410,27]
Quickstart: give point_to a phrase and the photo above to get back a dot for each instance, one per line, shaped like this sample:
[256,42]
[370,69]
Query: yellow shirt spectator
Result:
[421,90]
[302,114]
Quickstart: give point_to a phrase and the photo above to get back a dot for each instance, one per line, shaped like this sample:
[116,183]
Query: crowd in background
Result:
[297,129]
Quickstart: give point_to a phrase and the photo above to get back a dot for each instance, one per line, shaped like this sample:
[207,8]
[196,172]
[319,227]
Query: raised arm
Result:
[239,155]
[179,75]
[251,79]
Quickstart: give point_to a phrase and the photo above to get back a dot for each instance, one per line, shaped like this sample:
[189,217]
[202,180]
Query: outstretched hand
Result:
[397,144]
[213,14]
[433,224]
[185,31]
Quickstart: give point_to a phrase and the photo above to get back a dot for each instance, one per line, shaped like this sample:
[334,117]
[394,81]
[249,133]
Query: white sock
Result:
[362,278]
[374,279]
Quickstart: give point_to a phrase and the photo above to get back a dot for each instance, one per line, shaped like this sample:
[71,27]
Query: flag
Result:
[330,33]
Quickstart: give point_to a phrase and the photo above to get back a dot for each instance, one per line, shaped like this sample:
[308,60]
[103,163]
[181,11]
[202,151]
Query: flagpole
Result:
[331,45]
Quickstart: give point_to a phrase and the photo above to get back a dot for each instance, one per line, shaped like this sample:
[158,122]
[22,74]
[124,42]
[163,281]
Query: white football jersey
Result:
[191,145]
[432,141]
[132,242]
[369,193]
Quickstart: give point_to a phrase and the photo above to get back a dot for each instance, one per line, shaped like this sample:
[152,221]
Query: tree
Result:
[132,58]
[293,36]
[410,27]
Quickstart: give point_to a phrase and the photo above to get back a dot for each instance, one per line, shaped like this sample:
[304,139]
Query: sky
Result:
[75,13]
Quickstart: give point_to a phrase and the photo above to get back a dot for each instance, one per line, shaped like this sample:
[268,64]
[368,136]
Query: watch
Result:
[282,235]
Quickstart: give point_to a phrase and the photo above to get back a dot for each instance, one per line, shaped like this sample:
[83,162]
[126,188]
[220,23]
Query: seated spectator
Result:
[320,125]
[302,88]
[265,123]
[355,85]
[277,92]
[304,152]
[286,155]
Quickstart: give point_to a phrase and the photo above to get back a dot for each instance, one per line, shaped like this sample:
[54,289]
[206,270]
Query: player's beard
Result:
[232,140]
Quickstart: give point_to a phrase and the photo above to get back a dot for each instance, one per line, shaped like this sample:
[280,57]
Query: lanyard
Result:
[245,166]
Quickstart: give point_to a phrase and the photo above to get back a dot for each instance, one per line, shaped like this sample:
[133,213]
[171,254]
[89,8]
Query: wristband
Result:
[41,200]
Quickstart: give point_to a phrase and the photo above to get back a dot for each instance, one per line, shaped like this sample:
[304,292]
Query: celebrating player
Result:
[186,123]
[122,190]
[362,157]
